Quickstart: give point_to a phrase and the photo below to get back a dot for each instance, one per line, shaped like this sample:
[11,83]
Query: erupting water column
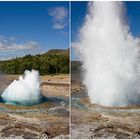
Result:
[110,55]
[25,91]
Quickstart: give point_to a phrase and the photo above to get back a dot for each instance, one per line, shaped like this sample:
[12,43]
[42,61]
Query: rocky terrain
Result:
[49,119]
[95,121]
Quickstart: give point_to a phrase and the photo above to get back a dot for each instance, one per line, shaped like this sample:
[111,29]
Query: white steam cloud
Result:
[110,54]
[25,90]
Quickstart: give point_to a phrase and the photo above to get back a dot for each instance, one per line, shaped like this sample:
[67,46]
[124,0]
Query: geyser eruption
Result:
[110,56]
[24,91]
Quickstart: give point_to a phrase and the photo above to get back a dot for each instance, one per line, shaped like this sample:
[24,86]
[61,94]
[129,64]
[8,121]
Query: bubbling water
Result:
[24,91]
[110,56]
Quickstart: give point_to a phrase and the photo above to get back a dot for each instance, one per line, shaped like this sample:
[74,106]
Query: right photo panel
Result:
[105,70]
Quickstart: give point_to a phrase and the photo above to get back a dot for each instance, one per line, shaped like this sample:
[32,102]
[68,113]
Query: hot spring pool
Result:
[25,102]
[51,99]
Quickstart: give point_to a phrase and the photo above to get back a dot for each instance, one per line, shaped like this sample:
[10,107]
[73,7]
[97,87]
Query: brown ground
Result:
[46,120]
[55,90]
[95,121]
[56,78]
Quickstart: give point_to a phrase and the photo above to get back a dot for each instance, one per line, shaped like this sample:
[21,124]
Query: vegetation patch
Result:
[52,62]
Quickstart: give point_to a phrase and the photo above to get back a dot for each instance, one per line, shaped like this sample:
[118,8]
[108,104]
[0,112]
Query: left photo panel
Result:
[34,70]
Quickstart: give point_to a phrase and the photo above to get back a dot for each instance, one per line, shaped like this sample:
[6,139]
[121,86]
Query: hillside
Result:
[54,61]
[57,51]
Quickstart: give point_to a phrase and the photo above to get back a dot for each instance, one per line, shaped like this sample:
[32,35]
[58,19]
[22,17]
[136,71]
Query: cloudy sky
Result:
[32,27]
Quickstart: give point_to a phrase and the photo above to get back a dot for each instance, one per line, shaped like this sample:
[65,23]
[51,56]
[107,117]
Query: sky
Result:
[35,27]
[32,27]
[78,14]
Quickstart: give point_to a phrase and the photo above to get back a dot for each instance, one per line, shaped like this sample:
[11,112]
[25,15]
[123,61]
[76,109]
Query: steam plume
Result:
[110,55]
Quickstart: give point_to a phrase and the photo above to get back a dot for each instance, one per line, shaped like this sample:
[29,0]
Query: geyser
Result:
[110,55]
[24,91]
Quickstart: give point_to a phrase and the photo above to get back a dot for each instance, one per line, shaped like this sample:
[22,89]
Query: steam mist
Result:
[110,55]
[25,91]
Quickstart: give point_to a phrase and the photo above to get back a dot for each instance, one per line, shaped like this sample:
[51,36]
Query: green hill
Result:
[54,61]
[57,51]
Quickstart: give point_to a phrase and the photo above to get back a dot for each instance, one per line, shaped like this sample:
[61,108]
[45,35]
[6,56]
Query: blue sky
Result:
[35,27]
[79,10]
[32,27]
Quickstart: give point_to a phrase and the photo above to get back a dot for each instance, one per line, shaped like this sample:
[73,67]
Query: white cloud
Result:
[65,34]
[9,44]
[59,17]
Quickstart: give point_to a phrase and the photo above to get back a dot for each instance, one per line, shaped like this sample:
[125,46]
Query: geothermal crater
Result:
[24,91]
[48,119]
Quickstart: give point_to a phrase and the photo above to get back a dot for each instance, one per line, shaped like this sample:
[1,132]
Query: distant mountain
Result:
[57,51]
[52,62]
